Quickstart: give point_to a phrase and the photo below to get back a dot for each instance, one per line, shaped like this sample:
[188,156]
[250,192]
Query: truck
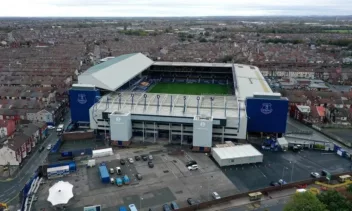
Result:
[60,128]
[119,181]
[104,174]
[126,180]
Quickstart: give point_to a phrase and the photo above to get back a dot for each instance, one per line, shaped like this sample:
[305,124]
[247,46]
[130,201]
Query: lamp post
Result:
[283,172]
[209,186]
[293,166]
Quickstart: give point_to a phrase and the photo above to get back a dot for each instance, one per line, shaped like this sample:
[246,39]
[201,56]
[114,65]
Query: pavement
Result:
[10,189]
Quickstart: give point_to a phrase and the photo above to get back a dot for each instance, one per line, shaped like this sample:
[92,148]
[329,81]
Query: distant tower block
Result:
[202,131]
[120,126]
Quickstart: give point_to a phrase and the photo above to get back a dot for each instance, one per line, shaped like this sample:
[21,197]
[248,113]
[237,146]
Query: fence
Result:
[265,191]
[78,135]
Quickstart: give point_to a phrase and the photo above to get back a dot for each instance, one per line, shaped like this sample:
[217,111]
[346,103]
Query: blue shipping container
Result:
[266,115]
[104,174]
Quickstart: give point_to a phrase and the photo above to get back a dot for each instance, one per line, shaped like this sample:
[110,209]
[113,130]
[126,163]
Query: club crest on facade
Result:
[202,124]
[266,108]
[82,99]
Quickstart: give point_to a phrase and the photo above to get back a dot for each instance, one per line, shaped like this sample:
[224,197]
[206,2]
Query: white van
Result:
[118,170]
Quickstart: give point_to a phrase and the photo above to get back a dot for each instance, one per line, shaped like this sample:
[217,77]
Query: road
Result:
[9,190]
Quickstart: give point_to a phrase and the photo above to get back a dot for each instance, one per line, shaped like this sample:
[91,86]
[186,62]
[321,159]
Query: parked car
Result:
[324,172]
[122,162]
[315,174]
[166,207]
[193,167]
[191,163]
[174,206]
[112,180]
[49,147]
[118,170]
[50,127]
[137,157]
[150,157]
[41,149]
[216,195]
[144,157]
[112,170]
[139,176]
[150,164]
[130,160]
[273,183]
[191,201]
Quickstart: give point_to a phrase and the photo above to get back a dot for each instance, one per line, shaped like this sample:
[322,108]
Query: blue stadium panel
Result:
[80,103]
[267,115]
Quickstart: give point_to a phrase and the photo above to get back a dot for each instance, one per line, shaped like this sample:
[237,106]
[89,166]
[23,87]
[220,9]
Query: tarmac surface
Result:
[345,134]
[289,166]
[168,181]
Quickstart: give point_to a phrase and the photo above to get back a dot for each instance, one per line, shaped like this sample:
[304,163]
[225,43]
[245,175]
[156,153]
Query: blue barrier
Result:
[26,189]
[57,146]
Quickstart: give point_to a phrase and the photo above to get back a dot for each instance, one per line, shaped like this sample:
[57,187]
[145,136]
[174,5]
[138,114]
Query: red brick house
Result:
[7,128]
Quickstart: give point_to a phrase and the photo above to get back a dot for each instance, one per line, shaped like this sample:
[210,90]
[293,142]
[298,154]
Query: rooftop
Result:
[112,74]
[170,105]
[250,80]
[234,152]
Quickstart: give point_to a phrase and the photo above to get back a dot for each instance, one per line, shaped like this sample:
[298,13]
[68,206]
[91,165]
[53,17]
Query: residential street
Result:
[9,190]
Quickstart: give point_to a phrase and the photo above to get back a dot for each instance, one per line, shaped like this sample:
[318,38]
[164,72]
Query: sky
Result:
[172,8]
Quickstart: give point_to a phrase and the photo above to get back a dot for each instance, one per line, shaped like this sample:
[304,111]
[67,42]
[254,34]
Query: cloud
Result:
[142,8]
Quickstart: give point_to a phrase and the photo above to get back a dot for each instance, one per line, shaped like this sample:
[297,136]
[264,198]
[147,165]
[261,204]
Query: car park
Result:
[166,207]
[315,174]
[144,157]
[130,160]
[193,167]
[139,176]
[191,201]
[215,195]
[122,162]
[174,206]
[150,164]
[137,157]
[191,163]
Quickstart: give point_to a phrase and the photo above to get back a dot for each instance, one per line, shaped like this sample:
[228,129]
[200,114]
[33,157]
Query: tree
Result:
[305,201]
[349,188]
[334,201]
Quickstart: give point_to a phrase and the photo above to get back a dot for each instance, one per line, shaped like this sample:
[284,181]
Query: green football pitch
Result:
[191,89]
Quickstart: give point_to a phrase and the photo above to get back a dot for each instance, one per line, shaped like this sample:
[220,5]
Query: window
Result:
[232,160]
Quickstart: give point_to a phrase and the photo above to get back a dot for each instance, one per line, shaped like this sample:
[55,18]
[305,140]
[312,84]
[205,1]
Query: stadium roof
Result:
[249,81]
[192,64]
[112,74]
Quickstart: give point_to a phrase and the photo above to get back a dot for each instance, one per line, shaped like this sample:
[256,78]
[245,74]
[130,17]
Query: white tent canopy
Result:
[60,193]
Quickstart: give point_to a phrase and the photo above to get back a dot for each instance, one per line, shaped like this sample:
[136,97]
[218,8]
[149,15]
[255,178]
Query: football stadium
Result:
[131,97]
